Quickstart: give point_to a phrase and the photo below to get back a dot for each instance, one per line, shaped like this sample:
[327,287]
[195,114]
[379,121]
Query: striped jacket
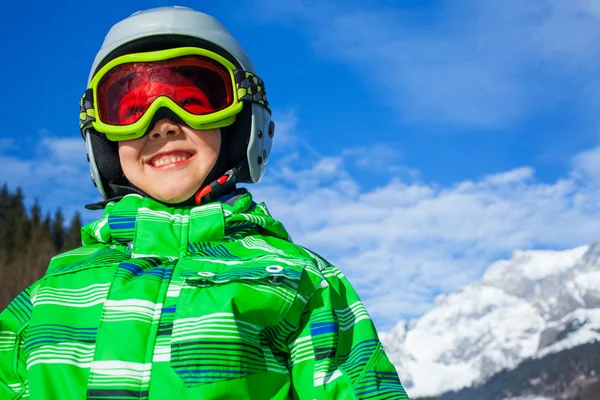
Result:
[208,302]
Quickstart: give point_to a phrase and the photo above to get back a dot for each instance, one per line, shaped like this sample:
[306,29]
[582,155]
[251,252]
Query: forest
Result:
[571,374]
[29,238]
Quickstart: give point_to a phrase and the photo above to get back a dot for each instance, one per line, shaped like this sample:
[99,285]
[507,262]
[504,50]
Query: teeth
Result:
[168,160]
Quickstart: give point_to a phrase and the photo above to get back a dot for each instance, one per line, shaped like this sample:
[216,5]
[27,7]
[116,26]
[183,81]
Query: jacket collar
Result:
[151,228]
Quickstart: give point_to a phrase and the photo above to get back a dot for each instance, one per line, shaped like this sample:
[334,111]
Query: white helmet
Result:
[246,144]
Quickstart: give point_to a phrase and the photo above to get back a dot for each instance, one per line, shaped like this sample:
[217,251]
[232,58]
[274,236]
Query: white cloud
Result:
[586,165]
[379,158]
[58,174]
[285,123]
[514,176]
[71,151]
[484,64]
[404,242]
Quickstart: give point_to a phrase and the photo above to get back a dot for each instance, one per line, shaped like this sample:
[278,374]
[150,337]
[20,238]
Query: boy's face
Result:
[172,161]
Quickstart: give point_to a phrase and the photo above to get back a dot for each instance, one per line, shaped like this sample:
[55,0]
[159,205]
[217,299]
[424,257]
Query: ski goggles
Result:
[202,88]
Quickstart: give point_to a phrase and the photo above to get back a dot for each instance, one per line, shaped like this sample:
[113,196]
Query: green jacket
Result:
[208,302]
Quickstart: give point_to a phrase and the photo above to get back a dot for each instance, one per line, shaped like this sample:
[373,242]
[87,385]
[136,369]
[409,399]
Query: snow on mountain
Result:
[530,398]
[536,303]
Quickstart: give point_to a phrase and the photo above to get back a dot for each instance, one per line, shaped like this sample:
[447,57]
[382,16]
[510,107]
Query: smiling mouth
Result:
[170,159]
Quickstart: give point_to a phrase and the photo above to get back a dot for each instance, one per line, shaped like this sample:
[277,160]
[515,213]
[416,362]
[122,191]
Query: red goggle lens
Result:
[197,84]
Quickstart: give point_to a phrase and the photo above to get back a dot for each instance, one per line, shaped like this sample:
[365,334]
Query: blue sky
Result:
[417,141]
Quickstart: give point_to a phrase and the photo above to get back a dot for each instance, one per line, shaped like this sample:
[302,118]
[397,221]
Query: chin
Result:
[174,197]
[173,190]
[174,200]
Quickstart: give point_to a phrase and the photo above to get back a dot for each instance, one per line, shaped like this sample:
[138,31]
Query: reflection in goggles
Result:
[197,84]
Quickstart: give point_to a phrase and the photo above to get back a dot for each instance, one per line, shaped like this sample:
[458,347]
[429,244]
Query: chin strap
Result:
[218,187]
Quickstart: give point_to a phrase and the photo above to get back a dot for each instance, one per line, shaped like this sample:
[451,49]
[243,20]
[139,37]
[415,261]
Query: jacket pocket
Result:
[226,318]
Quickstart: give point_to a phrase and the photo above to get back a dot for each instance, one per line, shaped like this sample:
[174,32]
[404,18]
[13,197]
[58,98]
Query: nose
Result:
[164,129]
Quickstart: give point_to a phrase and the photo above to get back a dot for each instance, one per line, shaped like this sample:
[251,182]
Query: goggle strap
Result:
[250,88]
[87,113]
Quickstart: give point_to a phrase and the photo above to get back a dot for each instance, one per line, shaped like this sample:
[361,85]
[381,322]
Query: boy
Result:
[186,288]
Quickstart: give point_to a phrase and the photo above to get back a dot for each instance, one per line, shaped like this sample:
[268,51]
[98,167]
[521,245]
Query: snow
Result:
[472,325]
[588,331]
[529,398]
[589,280]
[437,375]
[538,302]
[535,264]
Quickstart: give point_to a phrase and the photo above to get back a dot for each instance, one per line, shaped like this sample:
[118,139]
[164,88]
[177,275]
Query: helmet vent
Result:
[272,129]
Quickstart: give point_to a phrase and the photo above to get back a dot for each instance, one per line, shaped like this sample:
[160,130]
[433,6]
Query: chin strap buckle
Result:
[217,188]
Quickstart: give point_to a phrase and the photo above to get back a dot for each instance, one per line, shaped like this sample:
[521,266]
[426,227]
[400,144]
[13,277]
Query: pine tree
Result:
[16,231]
[28,241]
[4,199]
[40,247]
[16,225]
[4,202]
[46,224]
[73,239]
[58,230]
[36,214]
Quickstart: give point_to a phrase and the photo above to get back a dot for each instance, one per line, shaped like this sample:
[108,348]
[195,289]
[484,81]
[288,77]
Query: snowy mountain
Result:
[538,302]
[568,375]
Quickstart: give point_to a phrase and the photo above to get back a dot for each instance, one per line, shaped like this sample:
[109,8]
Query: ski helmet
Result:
[246,145]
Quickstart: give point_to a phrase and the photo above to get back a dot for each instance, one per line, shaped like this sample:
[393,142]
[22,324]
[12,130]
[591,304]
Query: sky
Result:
[416,142]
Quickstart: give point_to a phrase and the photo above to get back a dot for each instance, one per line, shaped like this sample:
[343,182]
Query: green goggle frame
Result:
[246,87]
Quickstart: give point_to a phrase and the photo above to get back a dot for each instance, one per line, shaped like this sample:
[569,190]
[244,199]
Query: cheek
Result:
[129,154]
[209,142]
[216,142]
